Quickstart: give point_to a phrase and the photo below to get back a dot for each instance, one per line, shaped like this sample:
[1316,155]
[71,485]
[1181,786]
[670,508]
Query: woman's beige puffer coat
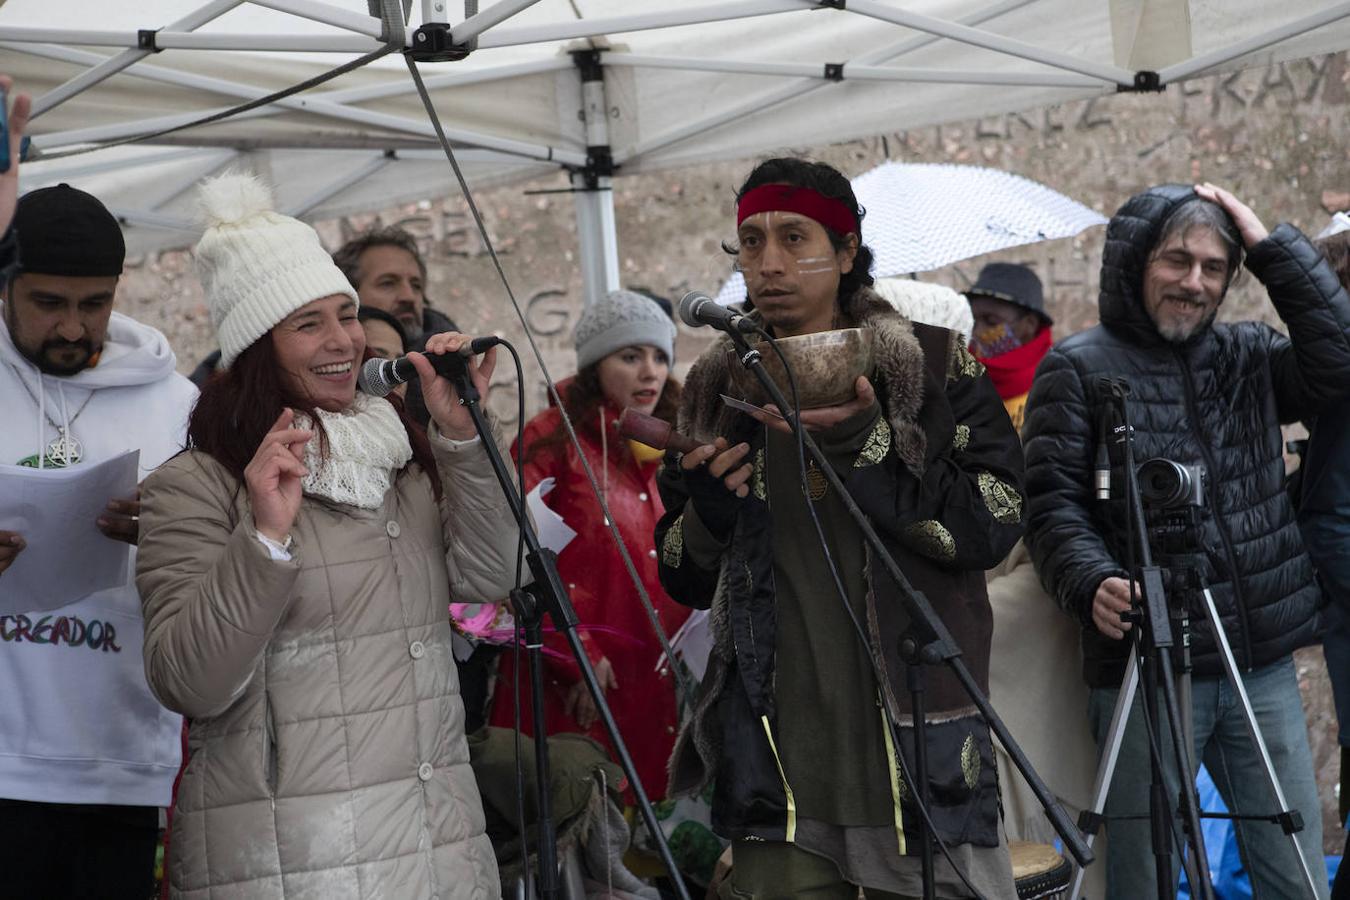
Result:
[328,757]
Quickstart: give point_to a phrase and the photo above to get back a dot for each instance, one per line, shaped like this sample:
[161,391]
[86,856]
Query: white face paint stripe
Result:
[814,271]
[811,259]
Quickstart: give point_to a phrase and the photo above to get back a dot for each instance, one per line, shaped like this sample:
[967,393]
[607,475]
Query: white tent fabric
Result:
[683,83]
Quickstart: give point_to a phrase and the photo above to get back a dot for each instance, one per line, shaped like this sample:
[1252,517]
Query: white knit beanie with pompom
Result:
[256,265]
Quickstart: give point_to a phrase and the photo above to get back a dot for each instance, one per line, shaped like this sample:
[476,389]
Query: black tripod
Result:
[927,643]
[548,596]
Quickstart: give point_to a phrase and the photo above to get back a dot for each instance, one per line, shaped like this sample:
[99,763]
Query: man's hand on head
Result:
[11,545]
[1248,225]
[121,519]
[1112,599]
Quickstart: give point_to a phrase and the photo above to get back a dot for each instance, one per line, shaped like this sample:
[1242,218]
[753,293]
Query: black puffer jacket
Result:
[1216,400]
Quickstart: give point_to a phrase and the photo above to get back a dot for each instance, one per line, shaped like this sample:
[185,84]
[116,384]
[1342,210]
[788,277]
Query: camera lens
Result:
[1163,482]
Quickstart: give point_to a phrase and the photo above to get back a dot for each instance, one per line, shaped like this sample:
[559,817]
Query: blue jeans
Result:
[1221,743]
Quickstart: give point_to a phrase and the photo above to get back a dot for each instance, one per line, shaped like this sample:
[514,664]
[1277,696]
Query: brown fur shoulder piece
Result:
[899,379]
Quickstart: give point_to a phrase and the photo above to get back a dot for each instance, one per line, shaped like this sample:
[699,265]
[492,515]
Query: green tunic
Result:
[829,724]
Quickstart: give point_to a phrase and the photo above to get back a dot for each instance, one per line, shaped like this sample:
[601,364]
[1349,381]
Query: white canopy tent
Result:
[598,87]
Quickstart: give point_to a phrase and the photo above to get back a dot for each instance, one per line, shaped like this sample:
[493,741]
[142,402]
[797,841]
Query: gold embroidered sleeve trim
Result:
[963,365]
[961,440]
[931,538]
[1002,500]
[672,547]
[970,762]
[877,445]
[757,485]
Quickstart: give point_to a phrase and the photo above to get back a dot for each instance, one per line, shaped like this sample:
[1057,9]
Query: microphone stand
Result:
[548,595]
[928,641]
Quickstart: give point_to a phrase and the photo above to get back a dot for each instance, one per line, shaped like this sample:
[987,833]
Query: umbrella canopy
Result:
[921,217]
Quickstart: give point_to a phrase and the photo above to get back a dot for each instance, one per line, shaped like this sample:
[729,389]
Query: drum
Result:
[1038,871]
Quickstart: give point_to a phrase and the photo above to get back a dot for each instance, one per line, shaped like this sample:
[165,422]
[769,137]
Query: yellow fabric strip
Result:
[895,781]
[644,454]
[787,789]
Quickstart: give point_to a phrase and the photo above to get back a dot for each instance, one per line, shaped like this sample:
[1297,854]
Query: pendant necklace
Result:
[64,450]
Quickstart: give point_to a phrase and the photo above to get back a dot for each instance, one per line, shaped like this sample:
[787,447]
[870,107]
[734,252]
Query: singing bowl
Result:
[826,366]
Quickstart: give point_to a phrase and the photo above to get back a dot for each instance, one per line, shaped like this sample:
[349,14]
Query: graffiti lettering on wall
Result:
[69,630]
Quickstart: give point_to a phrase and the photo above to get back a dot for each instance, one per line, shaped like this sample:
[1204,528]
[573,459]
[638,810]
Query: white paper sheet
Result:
[692,643]
[553,531]
[66,558]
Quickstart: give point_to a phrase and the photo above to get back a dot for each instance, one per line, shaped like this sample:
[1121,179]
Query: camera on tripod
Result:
[1164,484]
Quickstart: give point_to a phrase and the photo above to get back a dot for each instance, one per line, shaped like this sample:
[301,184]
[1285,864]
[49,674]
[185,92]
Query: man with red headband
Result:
[789,726]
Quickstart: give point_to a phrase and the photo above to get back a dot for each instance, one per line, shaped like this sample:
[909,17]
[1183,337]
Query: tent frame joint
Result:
[834,72]
[146,39]
[1145,81]
[599,164]
[832,4]
[590,64]
[433,42]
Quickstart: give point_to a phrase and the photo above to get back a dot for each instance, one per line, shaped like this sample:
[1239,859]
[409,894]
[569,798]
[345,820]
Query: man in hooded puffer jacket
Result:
[87,755]
[1213,395]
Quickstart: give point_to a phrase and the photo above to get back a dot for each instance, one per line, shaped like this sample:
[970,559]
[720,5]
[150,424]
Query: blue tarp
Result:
[1225,865]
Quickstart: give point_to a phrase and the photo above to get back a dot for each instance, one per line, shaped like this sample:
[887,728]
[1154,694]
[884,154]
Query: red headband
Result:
[789,198]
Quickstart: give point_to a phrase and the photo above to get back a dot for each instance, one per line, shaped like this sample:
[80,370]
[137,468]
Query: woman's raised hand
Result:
[441,398]
[273,477]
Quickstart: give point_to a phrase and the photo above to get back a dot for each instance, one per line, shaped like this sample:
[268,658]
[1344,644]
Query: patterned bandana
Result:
[993,341]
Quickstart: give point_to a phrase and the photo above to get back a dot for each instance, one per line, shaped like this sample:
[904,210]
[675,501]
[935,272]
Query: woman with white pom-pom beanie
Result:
[294,567]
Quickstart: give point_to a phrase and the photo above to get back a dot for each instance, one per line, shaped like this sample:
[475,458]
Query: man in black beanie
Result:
[87,754]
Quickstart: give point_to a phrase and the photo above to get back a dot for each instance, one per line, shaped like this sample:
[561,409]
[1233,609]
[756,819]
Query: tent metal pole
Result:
[436,82]
[1196,65]
[495,14]
[153,220]
[98,73]
[855,72]
[743,9]
[98,134]
[37,172]
[799,88]
[989,41]
[299,103]
[267,43]
[328,14]
[301,209]
[597,237]
[186,40]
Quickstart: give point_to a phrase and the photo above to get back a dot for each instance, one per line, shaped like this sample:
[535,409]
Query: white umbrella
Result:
[923,216]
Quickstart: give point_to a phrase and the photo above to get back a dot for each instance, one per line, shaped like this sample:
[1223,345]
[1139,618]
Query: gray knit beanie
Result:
[622,319]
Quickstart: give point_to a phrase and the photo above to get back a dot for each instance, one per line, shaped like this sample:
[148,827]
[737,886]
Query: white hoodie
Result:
[78,723]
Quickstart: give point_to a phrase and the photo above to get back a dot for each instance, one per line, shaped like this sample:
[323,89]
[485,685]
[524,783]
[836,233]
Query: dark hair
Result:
[348,256]
[829,182]
[664,302]
[1336,248]
[583,400]
[239,405]
[1201,213]
[379,315]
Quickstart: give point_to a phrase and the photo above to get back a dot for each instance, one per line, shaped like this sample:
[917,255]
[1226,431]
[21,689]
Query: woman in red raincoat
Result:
[625,347]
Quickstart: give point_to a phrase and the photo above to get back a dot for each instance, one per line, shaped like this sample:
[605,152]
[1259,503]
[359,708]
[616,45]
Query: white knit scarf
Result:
[367,446]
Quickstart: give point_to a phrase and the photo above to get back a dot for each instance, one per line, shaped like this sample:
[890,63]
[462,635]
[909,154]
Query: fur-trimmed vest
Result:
[939,478]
